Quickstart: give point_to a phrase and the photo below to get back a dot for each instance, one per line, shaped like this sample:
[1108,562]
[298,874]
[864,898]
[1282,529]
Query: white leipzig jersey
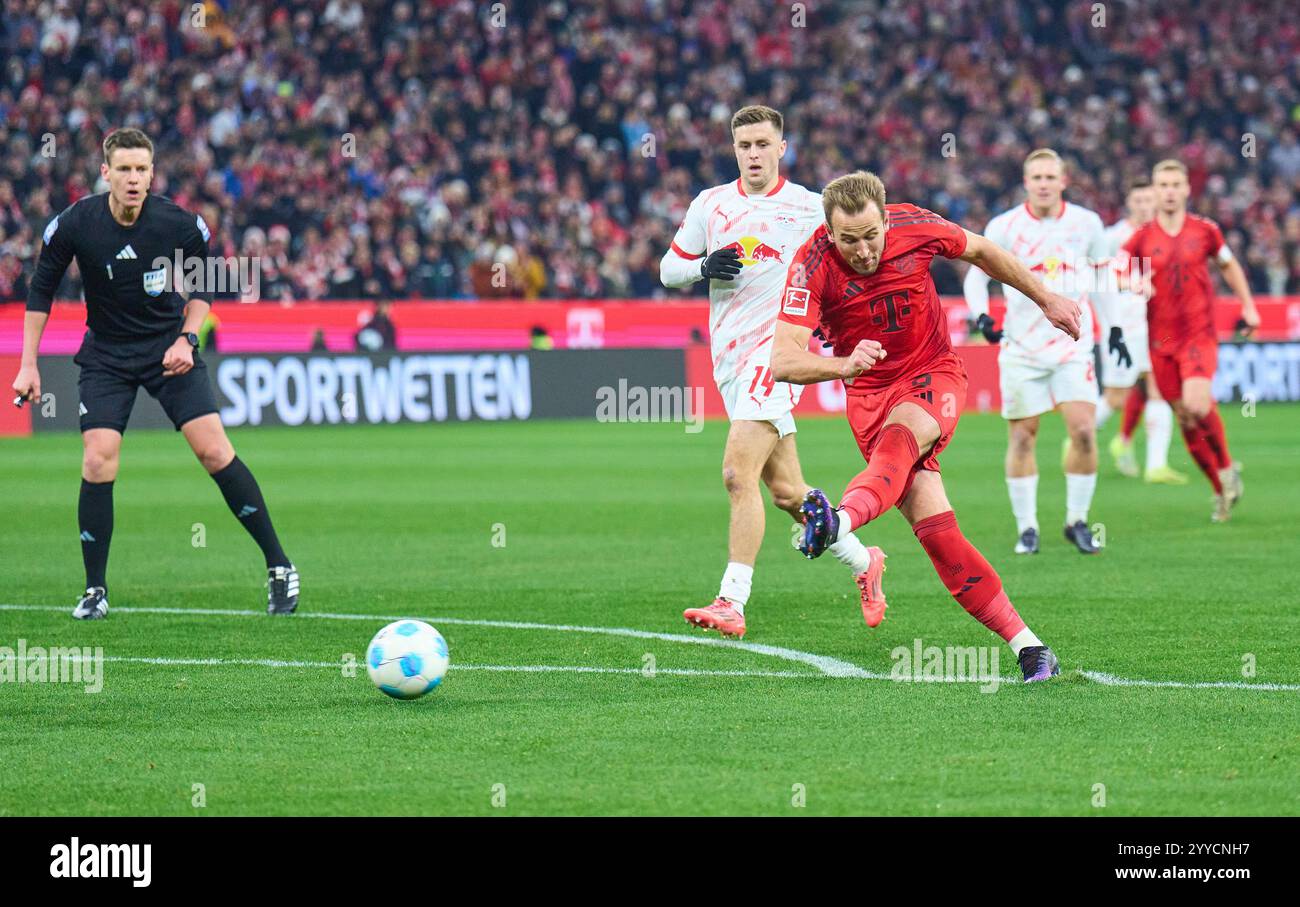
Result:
[767,231]
[1129,310]
[1060,251]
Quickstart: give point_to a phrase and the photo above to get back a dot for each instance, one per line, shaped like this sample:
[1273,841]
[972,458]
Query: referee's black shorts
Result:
[113,370]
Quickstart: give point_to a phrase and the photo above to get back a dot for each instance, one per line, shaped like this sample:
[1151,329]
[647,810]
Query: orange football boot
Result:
[720,616]
[873,592]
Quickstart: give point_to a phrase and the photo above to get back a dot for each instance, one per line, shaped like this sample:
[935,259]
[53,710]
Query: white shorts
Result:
[1032,388]
[754,397]
[1135,338]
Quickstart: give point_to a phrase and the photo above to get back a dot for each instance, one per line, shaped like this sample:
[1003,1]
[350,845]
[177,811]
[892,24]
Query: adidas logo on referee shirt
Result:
[127,253]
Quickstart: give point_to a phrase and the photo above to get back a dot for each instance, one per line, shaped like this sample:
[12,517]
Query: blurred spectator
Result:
[377,333]
[394,149]
[539,339]
[208,333]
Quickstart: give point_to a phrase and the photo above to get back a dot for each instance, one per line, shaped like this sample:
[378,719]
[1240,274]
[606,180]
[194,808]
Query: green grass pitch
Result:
[583,524]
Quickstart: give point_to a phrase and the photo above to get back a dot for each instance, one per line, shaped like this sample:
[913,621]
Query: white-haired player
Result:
[1042,369]
[741,236]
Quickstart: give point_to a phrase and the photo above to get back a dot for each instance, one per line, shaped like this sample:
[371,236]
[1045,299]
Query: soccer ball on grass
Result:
[407,659]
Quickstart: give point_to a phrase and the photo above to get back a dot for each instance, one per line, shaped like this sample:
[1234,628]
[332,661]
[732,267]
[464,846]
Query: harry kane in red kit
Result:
[863,280]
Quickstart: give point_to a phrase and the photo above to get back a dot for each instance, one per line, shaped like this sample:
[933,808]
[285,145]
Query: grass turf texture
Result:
[624,526]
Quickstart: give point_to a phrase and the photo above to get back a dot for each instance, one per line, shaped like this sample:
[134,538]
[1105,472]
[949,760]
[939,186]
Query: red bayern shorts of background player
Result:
[1194,359]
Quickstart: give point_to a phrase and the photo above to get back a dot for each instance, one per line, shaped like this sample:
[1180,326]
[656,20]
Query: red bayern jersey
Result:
[898,305]
[1181,311]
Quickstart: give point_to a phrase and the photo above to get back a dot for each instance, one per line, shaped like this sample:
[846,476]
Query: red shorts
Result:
[940,390]
[1197,359]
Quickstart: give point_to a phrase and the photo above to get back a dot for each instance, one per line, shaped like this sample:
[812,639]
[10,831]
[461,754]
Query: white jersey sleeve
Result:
[680,266]
[1100,254]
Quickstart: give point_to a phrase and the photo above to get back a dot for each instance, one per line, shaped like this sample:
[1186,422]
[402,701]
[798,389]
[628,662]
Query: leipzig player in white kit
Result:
[1042,369]
[741,237]
[1128,387]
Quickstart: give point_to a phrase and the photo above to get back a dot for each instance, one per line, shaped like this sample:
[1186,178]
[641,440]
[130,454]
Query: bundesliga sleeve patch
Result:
[796,301]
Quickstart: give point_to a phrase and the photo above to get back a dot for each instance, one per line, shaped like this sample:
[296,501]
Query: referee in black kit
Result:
[141,333]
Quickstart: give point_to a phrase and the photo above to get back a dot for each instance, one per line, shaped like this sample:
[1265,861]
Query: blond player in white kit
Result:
[1042,369]
[741,237]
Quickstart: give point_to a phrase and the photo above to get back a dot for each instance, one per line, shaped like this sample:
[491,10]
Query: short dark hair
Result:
[127,137]
[1138,182]
[757,113]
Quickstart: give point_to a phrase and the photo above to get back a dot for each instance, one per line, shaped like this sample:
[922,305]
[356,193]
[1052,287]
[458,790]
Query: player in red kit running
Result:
[1180,322]
[863,280]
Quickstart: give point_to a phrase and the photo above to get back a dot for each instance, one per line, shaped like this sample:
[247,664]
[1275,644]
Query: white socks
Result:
[1078,496]
[1160,429]
[1023,639]
[846,526]
[736,583]
[850,551]
[1103,411]
[1024,501]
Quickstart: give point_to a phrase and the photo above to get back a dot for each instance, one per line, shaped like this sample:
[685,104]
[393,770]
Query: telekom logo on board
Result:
[586,328]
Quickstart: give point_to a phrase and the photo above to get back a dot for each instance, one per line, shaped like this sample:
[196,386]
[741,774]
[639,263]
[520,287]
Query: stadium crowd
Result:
[448,149]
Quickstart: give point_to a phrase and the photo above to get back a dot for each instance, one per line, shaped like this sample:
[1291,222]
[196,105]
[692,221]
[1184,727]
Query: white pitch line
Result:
[1111,680]
[830,667]
[336,665]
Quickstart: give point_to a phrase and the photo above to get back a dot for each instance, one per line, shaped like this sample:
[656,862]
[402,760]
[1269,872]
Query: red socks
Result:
[1134,403]
[969,577]
[1208,446]
[880,486]
[1215,436]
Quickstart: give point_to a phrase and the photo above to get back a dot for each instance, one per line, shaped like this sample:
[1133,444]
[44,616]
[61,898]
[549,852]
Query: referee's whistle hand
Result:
[28,383]
[178,359]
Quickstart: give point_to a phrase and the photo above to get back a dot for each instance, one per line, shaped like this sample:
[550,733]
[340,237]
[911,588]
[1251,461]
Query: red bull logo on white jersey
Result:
[753,250]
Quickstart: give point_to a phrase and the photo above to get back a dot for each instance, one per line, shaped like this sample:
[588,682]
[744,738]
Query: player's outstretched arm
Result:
[793,363]
[999,264]
[28,383]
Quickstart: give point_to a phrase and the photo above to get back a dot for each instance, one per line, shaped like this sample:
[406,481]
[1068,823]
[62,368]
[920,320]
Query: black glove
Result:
[723,264]
[984,324]
[1116,345]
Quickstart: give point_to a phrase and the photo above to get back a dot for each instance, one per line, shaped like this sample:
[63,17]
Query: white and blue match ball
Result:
[407,659]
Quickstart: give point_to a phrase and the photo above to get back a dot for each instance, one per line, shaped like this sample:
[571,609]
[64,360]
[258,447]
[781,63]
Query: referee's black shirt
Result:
[129,294]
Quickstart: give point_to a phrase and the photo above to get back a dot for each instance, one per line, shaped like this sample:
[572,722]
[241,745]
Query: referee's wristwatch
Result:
[193,339]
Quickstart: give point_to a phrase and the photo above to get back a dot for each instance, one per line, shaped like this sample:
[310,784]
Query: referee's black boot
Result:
[282,590]
[93,605]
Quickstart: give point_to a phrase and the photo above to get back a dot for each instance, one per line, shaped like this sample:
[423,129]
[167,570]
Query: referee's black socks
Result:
[245,501]
[95,520]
